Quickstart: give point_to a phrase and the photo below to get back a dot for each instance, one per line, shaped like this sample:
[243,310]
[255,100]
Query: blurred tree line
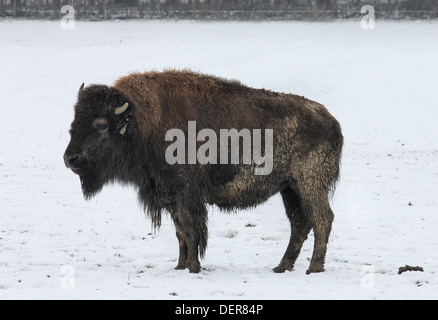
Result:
[220,9]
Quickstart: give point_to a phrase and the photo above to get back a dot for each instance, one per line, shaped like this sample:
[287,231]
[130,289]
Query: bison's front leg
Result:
[191,232]
[192,242]
[182,260]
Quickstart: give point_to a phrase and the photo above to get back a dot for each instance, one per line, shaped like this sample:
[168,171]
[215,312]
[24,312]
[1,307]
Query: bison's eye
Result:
[101,126]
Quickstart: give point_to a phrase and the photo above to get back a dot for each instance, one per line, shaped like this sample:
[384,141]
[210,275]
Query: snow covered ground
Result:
[381,85]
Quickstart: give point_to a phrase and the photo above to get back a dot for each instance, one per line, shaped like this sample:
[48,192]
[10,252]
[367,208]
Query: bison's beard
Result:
[93,176]
[91,184]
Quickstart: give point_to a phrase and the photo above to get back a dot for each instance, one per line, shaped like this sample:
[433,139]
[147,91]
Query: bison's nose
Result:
[70,160]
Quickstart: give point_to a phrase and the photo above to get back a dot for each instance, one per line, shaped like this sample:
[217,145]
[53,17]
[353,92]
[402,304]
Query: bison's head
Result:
[103,123]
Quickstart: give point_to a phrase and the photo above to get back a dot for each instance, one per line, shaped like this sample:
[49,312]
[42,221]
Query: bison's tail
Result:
[202,230]
[337,142]
[202,245]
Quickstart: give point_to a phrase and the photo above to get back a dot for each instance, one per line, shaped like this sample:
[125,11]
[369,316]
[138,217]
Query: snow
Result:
[380,84]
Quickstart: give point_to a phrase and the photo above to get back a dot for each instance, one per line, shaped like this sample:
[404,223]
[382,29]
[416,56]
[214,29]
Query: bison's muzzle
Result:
[70,160]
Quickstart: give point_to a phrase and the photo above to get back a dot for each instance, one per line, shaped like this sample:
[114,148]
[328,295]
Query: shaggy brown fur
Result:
[306,154]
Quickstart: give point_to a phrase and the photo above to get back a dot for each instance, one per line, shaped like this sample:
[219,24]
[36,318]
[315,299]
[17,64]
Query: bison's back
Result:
[175,97]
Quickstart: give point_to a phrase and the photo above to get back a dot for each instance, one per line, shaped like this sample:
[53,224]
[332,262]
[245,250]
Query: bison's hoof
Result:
[284,266]
[180,266]
[315,270]
[194,267]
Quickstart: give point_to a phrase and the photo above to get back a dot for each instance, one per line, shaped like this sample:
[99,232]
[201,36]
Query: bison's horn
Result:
[81,89]
[120,110]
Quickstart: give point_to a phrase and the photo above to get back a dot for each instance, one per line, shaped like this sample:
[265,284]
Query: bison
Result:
[119,135]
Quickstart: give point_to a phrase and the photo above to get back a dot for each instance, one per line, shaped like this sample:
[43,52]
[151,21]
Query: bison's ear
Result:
[81,89]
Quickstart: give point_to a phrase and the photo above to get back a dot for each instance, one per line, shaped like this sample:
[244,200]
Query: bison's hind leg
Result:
[314,196]
[300,228]
[307,206]
[322,218]
[319,172]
